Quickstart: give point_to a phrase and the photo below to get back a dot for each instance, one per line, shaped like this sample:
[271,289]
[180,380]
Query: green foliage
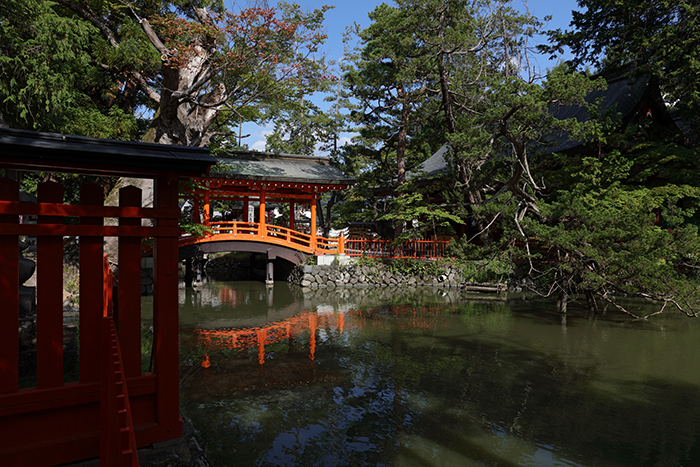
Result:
[414,267]
[194,229]
[409,208]
[478,263]
[365,261]
[602,236]
[48,79]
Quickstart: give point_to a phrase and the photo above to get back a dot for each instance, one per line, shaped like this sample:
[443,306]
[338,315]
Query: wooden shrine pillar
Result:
[291,215]
[165,306]
[91,286]
[206,211]
[313,222]
[130,287]
[263,227]
[246,204]
[49,295]
[9,285]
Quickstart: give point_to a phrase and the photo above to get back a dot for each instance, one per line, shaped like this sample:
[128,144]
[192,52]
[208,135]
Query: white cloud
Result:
[259,145]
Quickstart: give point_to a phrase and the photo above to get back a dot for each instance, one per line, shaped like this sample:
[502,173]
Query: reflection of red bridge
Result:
[424,318]
[243,339]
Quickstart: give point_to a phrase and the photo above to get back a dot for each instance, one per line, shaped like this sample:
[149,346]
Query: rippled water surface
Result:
[429,377]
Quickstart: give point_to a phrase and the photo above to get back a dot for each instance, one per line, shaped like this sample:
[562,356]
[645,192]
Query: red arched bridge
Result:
[278,242]
[270,204]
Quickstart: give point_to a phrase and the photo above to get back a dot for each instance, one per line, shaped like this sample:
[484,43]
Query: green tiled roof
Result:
[251,165]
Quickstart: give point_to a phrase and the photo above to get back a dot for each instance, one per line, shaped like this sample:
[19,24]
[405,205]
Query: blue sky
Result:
[346,13]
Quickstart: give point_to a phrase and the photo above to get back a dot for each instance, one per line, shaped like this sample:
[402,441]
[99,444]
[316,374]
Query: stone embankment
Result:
[355,275]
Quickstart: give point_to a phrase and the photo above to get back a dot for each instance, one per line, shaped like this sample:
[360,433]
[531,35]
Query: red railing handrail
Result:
[369,248]
[252,231]
[117,437]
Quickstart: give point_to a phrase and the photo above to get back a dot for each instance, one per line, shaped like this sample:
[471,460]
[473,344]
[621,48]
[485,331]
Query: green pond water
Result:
[432,377]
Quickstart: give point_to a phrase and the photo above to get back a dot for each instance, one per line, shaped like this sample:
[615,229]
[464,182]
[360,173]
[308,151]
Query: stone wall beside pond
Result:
[355,275]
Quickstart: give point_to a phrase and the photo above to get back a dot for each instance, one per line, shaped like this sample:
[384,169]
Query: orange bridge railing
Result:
[283,236]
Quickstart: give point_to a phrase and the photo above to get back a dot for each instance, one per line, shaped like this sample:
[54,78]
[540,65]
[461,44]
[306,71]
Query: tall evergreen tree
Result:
[390,80]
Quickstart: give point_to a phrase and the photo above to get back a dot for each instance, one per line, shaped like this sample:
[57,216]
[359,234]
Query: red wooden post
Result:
[165,314]
[341,244]
[313,224]
[49,313]
[291,215]
[91,283]
[263,226]
[206,214]
[130,287]
[9,294]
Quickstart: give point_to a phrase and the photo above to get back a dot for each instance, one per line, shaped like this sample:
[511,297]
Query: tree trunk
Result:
[178,120]
[563,302]
[590,299]
[402,139]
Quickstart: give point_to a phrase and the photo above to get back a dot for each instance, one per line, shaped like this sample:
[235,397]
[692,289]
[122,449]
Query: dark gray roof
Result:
[623,95]
[57,152]
[434,165]
[252,165]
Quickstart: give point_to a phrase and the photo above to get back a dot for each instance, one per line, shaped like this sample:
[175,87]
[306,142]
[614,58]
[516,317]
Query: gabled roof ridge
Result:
[236,153]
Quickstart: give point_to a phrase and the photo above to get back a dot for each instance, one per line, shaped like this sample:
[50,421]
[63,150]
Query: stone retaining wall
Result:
[354,275]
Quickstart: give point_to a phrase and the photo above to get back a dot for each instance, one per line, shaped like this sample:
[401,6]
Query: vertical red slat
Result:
[49,313]
[9,294]
[130,288]
[165,311]
[91,283]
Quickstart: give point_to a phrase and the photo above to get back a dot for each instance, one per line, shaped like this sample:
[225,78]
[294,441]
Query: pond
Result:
[432,377]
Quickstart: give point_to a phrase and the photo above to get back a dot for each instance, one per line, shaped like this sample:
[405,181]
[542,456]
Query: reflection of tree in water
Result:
[397,373]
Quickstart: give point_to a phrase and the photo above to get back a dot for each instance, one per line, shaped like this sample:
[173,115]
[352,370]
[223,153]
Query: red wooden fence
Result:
[52,421]
[418,249]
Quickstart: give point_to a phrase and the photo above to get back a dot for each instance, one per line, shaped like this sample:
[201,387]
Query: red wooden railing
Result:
[117,438]
[419,249]
[52,420]
[253,231]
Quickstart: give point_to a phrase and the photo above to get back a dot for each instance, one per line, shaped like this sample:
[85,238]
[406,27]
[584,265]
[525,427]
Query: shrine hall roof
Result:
[253,165]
